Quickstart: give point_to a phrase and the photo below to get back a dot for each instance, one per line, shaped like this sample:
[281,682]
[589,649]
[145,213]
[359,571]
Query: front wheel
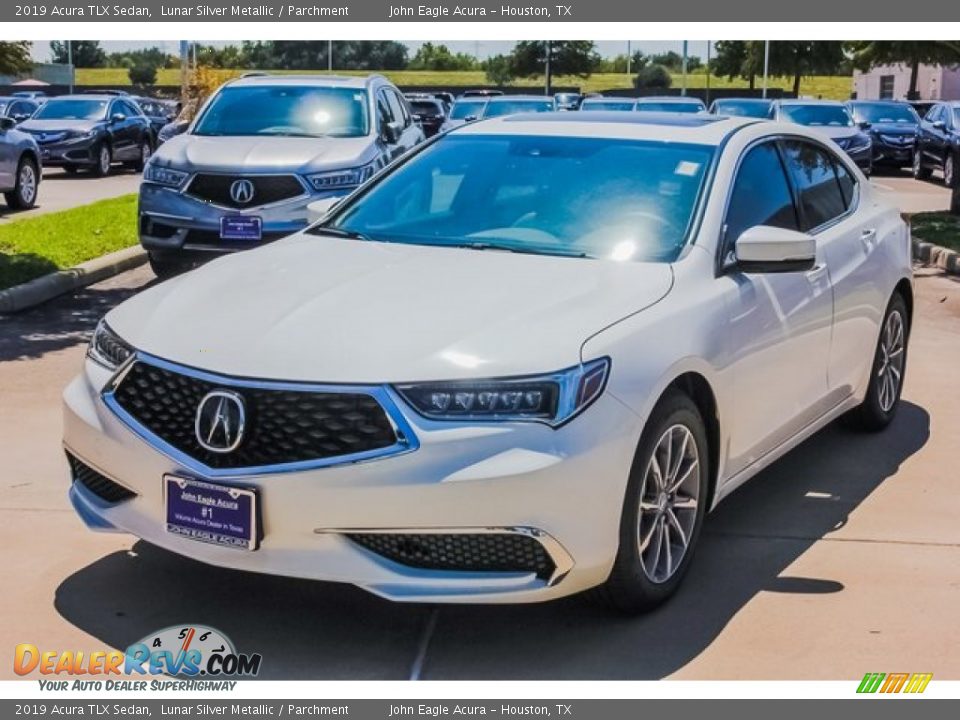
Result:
[104,158]
[165,266]
[950,171]
[920,171]
[663,509]
[886,371]
[24,194]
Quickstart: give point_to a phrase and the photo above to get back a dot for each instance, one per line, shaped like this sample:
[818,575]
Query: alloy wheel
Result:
[948,170]
[890,373]
[145,153]
[104,160]
[916,163]
[28,184]
[668,503]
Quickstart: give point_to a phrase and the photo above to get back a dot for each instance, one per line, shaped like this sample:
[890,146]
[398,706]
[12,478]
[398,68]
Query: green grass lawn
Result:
[836,88]
[38,245]
[939,228]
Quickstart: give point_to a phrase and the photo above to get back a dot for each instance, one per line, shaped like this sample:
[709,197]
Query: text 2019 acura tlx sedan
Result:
[522,362]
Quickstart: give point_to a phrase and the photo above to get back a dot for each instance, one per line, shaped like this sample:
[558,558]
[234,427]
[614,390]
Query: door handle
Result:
[867,237]
[818,272]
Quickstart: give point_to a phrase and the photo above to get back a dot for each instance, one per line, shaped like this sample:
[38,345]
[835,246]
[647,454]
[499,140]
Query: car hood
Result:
[836,133]
[260,154]
[35,125]
[894,128]
[323,309]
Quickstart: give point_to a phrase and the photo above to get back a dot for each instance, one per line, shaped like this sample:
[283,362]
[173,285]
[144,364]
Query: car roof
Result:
[610,98]
[811,101]
[668,99]
[347,81]
[524,98]
[659,126]
[744,100]
[90,96]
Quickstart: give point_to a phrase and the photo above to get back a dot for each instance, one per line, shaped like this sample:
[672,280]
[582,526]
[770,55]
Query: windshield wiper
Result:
[514,249]
[339,232]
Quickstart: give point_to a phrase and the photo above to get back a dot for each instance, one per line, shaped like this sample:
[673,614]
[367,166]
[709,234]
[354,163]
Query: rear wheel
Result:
[146,149]
[887,371]
[24,194]
[164,266]
[920,171]
[663,508]
[950,171]
[104,158]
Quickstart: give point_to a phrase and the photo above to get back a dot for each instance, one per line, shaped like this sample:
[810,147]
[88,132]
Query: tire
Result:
[145,150]
[164,266]
[886,371]
[24,193]
[103,160]
[950,170]
[643,578]
[920,171]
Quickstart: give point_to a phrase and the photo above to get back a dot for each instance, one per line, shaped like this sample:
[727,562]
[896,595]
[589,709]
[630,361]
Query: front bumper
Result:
[563,486]
[862,156]
[172,222]
[80,151]
[894,154]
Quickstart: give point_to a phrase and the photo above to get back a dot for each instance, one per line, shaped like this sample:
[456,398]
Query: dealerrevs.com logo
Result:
[912,683]
[179,650]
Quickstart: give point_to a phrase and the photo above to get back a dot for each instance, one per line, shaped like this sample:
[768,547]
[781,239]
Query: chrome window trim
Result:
[185,190]
[722,265]
[562,561]
[407,440]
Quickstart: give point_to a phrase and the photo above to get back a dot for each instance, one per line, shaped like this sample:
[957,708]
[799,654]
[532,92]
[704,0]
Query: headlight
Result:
[339,179]
[860,142]
[107,349]
[78,134]
[552,399]
[164,175]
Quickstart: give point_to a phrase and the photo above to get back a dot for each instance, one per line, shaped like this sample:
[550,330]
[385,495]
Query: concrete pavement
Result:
[841,558]
[60,191]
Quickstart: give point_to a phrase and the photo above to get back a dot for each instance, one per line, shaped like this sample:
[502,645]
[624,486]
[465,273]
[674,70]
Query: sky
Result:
[481,49]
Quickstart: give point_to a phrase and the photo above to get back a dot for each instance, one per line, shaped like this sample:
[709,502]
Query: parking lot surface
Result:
[841,558]
[60,191]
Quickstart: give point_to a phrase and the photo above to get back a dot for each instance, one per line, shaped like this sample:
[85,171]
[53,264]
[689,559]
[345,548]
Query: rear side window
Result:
[848,186]
[814,173]
[761,195]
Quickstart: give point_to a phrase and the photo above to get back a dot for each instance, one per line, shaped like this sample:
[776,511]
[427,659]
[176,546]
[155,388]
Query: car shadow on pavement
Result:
[326,631]
[59,324]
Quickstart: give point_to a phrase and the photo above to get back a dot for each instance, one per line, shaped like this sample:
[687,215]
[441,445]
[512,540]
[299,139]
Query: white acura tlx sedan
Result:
[523,361]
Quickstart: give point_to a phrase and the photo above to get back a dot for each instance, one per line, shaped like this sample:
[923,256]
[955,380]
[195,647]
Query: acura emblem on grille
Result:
[241,191]
[220,421]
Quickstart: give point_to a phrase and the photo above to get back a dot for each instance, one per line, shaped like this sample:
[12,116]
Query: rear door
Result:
[934,139]
[779,323]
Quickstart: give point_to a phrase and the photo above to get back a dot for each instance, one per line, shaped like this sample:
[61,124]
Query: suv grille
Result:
[266,189]
[103,487]
[491,552]
[282,426]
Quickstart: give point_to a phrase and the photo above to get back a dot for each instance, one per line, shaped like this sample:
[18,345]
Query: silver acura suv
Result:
[261,150]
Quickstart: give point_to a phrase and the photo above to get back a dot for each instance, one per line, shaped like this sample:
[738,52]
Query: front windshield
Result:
[608,105]
[286,110]
[743,108]
[425,107]
[884,113]
[584,197]
[511,107]
[817,115]
[679,107]
[465,108]
[72,109]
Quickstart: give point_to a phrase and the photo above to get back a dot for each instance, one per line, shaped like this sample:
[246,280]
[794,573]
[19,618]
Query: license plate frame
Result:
[201,511]
[245,228]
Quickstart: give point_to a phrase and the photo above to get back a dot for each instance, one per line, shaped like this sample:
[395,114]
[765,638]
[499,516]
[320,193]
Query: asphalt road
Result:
[60,191]
[841,558]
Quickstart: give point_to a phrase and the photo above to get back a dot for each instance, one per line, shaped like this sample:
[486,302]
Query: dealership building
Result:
[892,82]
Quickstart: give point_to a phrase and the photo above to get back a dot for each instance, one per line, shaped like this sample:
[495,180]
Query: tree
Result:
[567,57]
[653,76]
[673,61]
[229,56]
[15,58]
[791,58]
[145,56]
[913,53]
[735,58]
[142,74]
[439,57]
[85,53]
[497,70]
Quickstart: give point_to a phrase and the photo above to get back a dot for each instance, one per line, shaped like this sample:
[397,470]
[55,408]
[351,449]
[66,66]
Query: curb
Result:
[937,256]
[47,287]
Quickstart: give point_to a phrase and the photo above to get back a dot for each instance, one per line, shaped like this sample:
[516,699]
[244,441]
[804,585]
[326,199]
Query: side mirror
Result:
[470,118]
[939,125]
[865,125]
[118,117]
[7,123]
[319,208]
[392,132]
[766,249]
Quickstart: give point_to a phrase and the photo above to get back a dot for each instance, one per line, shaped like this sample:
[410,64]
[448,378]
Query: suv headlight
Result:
[339,179]
[859,142]
[79,134]
[552,398]
[107,349]
[164,175]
